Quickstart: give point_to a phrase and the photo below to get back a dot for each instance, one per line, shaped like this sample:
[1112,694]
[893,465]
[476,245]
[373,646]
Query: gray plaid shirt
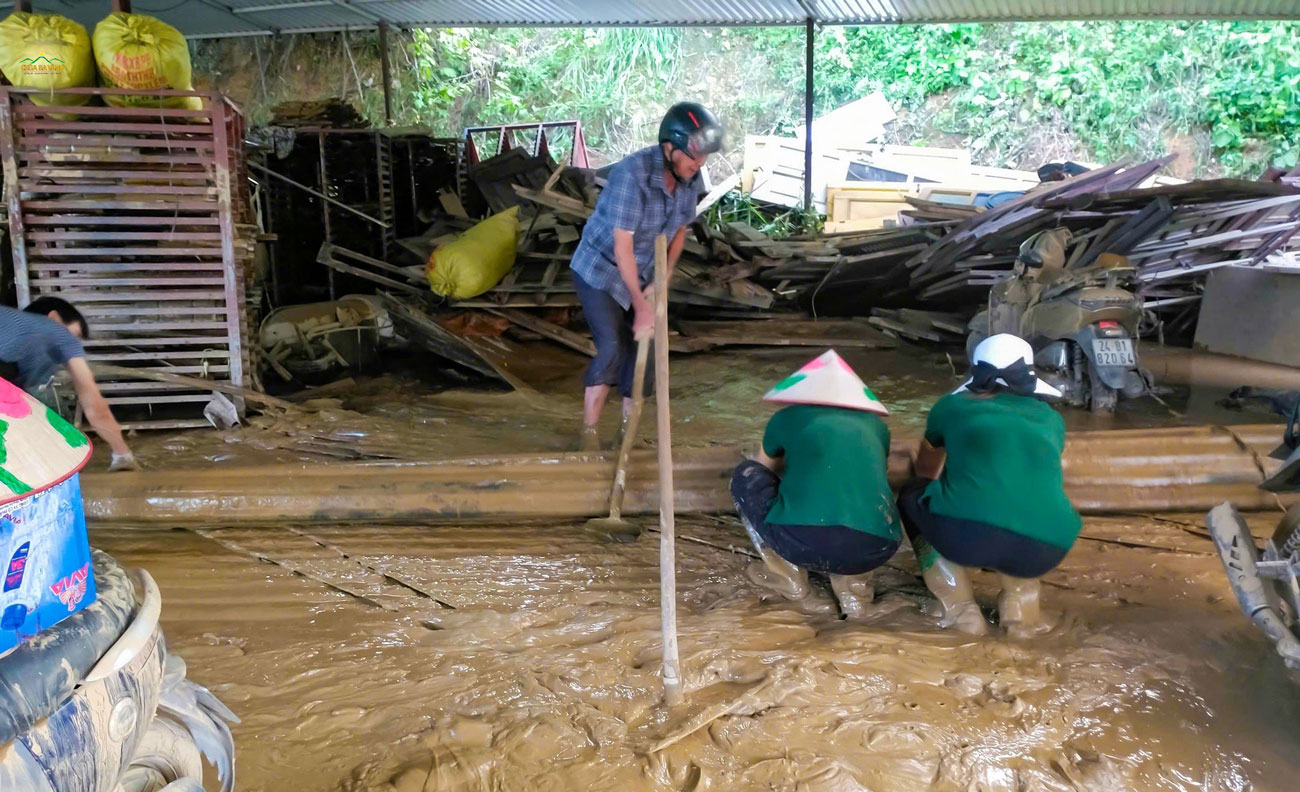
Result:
[35,345]
[636,199]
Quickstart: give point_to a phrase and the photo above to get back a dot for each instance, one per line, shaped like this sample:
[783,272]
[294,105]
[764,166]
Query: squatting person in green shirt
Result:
[990,491]
[832,511]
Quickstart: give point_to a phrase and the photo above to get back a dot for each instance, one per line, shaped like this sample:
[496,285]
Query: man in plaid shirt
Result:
[650,192]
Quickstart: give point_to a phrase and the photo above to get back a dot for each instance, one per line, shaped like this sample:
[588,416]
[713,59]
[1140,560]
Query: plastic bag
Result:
[478,259]
[47,51]
[140,52]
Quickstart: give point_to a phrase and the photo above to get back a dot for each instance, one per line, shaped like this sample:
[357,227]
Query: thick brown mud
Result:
[526,657]
[717,398]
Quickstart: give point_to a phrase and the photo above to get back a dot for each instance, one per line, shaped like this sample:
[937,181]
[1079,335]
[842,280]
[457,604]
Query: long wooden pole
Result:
[667,520]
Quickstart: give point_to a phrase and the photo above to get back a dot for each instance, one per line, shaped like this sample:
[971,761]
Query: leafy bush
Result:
[1013,94]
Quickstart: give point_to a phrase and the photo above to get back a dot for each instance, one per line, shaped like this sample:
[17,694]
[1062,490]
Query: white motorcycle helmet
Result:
[1003,350]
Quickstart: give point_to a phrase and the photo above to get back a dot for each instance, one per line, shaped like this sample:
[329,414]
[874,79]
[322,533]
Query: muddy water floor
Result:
[716,399]
[526,656]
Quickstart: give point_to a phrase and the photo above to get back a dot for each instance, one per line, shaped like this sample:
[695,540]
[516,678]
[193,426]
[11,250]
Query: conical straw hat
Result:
[827,381]
[38,449]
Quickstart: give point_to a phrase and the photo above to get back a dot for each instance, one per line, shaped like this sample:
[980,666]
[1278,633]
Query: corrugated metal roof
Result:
[214,18]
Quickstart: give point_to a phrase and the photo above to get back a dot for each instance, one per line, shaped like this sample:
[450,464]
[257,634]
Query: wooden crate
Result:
[130,214]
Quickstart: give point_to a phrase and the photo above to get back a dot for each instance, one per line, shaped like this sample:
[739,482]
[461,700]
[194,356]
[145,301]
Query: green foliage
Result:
[493,76]
[907,63]
[1118,87]
[776,223]
[1014,94]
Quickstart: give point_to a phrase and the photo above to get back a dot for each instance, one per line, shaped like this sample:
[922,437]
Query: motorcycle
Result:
[1267,581]
[1081,322]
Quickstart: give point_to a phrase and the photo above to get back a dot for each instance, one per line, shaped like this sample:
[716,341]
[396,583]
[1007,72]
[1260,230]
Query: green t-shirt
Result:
[834,469]
[1003,466]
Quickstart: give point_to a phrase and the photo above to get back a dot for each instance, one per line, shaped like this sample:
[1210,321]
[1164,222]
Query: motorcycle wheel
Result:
[1102,397]
[166,754]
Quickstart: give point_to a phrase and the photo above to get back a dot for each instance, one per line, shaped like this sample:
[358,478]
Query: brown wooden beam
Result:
[1126,471]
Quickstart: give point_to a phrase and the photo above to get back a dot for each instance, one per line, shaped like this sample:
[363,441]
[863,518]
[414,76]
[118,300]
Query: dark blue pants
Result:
[611,329]
[969,542]
[828,549]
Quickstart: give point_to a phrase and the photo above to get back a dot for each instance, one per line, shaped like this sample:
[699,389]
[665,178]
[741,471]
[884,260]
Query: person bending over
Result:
[989,491]
[44,337]
[816,499]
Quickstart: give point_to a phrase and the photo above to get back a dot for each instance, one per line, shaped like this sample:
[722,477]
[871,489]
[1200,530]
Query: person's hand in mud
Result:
[123,462]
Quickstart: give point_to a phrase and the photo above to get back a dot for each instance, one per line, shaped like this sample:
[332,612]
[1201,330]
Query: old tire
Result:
[166,754]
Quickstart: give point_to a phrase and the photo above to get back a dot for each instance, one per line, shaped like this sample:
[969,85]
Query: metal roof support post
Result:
[386,73]
[808,116]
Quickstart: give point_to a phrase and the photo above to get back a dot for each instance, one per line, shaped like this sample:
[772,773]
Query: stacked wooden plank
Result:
[945,255]
[138,217]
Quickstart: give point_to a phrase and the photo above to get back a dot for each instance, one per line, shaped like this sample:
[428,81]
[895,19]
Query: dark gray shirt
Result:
[36,345]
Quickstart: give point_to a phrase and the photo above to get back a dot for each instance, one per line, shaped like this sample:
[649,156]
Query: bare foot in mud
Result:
[589,440]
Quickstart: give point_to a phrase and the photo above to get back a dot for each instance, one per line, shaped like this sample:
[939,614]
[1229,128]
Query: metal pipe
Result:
[281,6]
[386,73]
[318,194]
[808,116]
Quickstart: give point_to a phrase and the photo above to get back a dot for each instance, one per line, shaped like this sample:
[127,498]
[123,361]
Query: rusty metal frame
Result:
[505,140]
[131,213]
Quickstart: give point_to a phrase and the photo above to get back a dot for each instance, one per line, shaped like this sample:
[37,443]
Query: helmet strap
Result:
[670,165]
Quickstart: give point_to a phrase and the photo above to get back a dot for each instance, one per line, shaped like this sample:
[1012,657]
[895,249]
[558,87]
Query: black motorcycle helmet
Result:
[690,128]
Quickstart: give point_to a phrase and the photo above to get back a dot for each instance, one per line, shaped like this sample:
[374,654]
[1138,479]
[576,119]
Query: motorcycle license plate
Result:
[1114,352]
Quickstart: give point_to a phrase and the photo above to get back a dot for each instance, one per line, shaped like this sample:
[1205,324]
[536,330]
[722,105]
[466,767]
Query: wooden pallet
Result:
[138,217]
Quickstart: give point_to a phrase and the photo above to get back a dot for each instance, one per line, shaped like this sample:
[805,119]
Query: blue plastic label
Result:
[47,575]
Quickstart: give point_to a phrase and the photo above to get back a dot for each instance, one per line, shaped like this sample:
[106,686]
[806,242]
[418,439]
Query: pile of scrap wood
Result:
[1173,234]
[917,276]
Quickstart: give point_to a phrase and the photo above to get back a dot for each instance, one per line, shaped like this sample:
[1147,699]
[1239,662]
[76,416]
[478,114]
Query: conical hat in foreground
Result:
[827,381]
[38,449]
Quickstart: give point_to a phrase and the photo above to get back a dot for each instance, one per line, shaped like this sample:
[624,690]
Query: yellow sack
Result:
[140,52]
[476,260]
[47,51]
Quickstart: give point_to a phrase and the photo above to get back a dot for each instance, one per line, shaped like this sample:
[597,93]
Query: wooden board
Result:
[485,358]
[560,335]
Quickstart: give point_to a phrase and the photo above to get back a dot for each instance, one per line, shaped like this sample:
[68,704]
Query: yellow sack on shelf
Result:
[478,259]
[47,51]
[140,52]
